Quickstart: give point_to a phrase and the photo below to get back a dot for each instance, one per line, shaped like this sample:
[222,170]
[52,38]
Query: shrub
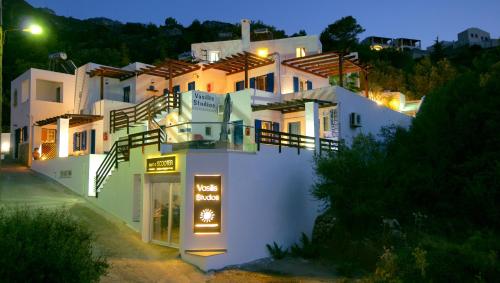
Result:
[276,251]
[38,245]
[306,249]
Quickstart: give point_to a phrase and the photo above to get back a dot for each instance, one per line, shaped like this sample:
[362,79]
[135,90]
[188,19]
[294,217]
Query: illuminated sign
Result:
[160,164]
[205,102]
[207,204]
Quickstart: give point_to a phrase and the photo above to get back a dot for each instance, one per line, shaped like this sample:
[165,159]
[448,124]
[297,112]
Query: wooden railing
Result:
[120,152]
[328,145]
[145,138]
[124,118]
[283,139]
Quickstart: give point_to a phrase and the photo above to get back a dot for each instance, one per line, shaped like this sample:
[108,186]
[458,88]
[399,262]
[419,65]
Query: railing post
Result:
[279,141]
[128,124]
[116,155]
[159,140]
[298,145]
[111,118]
[257,138]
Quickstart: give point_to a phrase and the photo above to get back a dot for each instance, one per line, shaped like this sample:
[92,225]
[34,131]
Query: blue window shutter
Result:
[270,82]
[191,86]
[84,140]
[276,127]
[252,82]
[295,84]
[176,89]
[240,85]
[309,85]
[74,141]
[258,124]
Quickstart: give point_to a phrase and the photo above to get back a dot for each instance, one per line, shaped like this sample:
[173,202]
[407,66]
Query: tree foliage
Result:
[46,246]
[342,35]
[433,187]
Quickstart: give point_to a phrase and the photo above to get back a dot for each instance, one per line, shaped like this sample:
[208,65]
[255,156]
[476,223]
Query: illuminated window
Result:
[300,52]
[214,56]
[263,52]
[48,135]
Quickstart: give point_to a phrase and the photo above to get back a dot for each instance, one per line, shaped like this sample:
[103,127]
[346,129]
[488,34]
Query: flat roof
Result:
[74,119]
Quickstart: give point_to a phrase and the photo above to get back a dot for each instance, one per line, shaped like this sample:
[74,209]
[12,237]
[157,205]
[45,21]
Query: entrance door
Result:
[165,213]
[238,132]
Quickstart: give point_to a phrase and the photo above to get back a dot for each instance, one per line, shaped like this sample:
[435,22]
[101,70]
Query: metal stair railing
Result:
[119,152]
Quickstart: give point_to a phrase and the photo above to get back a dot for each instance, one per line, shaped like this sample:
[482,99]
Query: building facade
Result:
[213,157]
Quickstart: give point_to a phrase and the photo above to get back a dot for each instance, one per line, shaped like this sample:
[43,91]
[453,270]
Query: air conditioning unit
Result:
[355,120]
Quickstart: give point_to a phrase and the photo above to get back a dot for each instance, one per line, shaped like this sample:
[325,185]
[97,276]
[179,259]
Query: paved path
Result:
[131,260]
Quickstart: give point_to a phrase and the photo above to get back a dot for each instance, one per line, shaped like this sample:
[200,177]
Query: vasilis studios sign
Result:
[207,204]
[205,102]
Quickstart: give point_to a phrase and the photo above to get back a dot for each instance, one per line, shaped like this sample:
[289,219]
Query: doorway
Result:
[165,212]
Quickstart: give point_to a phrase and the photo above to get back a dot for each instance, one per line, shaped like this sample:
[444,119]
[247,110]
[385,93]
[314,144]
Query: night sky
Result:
[423,19]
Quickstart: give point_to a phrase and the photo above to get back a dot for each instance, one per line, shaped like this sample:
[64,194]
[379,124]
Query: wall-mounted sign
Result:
[207,204]
[205,102]
[160,164]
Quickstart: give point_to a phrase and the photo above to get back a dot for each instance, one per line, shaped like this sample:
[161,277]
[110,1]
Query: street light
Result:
[33,29]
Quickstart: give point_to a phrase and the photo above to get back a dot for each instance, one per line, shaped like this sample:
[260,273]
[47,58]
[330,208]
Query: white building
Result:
[214,158]
[475,36]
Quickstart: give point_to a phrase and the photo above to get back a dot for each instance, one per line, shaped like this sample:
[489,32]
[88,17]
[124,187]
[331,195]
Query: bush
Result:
[306,249]
[39,245]
[277,251]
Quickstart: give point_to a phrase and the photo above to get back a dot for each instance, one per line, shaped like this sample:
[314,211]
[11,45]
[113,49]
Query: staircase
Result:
[120,152]
[147,110]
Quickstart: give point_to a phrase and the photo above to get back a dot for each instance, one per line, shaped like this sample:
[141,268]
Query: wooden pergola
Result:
[240,62]
[329,64]
[170,69]
[74,120]
[294,105]
[110,72]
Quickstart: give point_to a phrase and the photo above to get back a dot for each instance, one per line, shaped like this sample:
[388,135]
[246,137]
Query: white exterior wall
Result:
[373,116]
[32,110]
[82,171]
[272,204]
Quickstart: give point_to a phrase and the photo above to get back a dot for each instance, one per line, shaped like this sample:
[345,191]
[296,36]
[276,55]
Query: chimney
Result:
[245,34]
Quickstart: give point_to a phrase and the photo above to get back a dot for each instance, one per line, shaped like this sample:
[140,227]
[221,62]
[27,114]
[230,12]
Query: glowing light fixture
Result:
[263,52]
[34,29]
[377,47]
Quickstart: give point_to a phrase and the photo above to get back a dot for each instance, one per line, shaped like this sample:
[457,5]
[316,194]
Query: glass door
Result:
[165,213]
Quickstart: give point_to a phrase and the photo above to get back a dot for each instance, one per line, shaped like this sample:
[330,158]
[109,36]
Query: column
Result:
[312,122]
[62,137]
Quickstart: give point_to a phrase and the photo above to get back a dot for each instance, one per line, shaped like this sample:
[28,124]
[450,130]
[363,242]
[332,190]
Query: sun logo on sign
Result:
[207,215]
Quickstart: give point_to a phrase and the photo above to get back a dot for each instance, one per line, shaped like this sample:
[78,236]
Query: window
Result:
[294,128]
[327,120]
[126,94]
[300,52]
[265,83]
[239,85]
[80,141]
[191,85]
[25,134]
[48,135]
[208,131]
[58,94]
[14,99]
[214,56]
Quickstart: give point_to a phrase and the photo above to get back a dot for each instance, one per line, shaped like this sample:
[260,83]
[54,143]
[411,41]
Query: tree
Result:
[428,76]
[342,35]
